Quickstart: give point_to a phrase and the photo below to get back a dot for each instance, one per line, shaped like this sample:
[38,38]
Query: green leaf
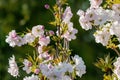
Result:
[53,23]
[105,64]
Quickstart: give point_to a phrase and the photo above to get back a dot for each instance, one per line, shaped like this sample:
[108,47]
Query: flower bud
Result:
[47,6]
[29,64]
[51,33]
[37,71]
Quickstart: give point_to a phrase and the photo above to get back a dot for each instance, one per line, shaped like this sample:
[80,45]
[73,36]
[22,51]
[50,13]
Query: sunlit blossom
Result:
[32,77]
[27,66]
[79,66]
[67,15]
[14,40]
[44,41]
[117,67]
[95,3]
[38,30]
[29,38]
[13,68]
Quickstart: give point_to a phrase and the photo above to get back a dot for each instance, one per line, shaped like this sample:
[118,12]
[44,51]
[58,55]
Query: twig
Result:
[116,51]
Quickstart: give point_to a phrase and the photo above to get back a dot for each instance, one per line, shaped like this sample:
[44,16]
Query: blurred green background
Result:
[22,14]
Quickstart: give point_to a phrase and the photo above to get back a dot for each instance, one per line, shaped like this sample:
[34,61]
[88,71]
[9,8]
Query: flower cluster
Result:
[106,20]
[52,60]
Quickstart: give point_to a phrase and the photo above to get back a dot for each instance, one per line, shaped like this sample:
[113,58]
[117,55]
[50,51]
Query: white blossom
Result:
[56,72]
[40,50]
[85,24]
[66,78]
[33,77]
[45,56]
[13,68]
[80,69]
[70,33]
[77,59]
[116,7]
[102,36]
[27,66]
[112,15]
[80,12]
[95,3]
[38,30]
[90,14]
[13,39]
[51,72]
[101,17]
[115,29]
[67,15]
[65,67]
[46,68]
[79,66]
[96,17]
[117,63]
[117,67]
[29,38]
[44,41]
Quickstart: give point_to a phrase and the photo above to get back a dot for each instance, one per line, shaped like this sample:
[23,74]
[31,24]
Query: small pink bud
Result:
[51,33]
[29,64]
[37,71]
[47,6]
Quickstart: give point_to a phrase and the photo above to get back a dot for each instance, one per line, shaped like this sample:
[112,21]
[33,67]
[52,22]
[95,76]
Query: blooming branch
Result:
[51,59]
[106,21]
